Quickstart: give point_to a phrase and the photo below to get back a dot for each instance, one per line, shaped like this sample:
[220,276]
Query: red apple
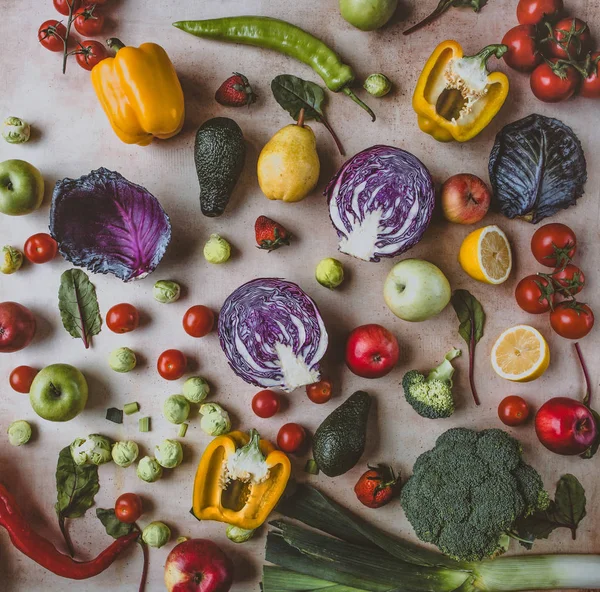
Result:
[17,327]
[565,426]
[198,565]
[371,351]
[465,199]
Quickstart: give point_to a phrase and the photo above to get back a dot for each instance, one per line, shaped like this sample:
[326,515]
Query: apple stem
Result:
[65,533]
[587,399]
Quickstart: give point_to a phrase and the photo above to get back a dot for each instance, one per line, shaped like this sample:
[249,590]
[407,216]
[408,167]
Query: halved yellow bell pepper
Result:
[239,480]
[140,93]
[456,97]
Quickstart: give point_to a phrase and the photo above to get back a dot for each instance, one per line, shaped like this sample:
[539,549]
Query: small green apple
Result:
[59,392]
[368,15]
[416,290]
[21,188]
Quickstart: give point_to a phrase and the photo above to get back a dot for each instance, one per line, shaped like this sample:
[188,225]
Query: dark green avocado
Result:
[219,154]
[340,440]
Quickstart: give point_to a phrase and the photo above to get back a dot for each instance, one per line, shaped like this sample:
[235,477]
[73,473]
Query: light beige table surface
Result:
[72,137]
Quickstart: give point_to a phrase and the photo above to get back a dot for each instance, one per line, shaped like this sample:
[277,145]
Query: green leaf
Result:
[78,305]
[471,316]
[591,451]
[569,501]
[114,527]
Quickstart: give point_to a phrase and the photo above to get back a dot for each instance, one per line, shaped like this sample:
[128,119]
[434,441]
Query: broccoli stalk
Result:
[431,397]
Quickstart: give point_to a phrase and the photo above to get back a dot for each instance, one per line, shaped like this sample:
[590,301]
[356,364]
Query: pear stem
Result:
[300,121]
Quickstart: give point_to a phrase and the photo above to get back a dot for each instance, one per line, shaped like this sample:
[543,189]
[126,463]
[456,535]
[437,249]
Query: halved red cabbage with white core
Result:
[380,202]
[272,334]
[107,224]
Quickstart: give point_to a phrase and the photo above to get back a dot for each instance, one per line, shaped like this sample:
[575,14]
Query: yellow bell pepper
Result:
[140,93]
[456,97]
[239,480]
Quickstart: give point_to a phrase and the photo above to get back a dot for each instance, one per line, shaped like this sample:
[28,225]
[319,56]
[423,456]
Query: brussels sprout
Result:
[125,453]
[176,409]
[122,359]
[11,260]
[169,454]
[217,249]
[239,535]
[156,534]
[330,273]
[195,389]
[215,420]
[15,130]
[166,291]
[149,470]
[19,432]
[93,450]
[378,85]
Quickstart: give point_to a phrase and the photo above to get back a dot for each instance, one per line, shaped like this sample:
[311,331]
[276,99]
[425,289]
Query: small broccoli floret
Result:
[431,397]
[468,491]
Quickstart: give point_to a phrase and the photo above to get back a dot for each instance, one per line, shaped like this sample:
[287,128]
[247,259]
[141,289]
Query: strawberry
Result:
[235,92]
[377,486]
[270,235]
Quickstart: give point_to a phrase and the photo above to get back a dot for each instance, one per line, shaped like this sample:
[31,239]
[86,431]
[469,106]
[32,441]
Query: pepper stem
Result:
[497,50]
[254,442]
[115,43]
[364,106]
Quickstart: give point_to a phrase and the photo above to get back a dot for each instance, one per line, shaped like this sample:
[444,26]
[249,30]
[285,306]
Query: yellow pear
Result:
[288,166]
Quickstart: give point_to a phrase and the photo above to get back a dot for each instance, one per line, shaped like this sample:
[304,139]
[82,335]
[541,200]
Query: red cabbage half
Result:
[272,334]
[107,224]
[380,203]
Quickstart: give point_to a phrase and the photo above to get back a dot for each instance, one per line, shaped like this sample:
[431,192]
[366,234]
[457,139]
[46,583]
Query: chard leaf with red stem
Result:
[587,398]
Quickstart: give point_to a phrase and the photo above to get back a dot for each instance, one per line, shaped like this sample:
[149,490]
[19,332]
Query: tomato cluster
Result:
[556,51]
[88,20]
[554,245]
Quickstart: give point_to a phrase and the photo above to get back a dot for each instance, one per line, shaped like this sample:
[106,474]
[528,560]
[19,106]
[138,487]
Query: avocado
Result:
[340,440]
[219,154]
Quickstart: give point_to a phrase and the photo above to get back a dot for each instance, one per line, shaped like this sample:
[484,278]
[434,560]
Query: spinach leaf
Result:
[76,486]
[114,527]
[295,94]
[78,305]
[471,315]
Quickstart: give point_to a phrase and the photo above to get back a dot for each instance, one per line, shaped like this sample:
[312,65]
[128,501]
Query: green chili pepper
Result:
[270,33]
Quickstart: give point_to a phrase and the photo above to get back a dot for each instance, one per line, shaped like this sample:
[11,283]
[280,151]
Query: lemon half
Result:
[520,354]
[486,256]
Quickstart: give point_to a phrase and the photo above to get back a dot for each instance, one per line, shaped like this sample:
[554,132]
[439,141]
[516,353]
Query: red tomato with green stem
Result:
[570,39]
[590,85]
[90,53]
[572,320]
[553,82]
[291,437]
[171,364]
[531,12]
[21,377]
[320,392]
[198,321]
[63,6]
[570,279]
[89,21]
[122,318]
[534,294]
[513,411]
[265,404]
[522,54]
[128,508]
[52,34]
[40,248]
[553,244]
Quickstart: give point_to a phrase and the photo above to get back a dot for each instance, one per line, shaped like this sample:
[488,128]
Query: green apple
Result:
[21,188]
[368,15]
[59,392]
[416,290]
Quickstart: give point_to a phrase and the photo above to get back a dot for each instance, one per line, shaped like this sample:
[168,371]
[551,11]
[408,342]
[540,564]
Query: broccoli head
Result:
[431,397]
[466,493]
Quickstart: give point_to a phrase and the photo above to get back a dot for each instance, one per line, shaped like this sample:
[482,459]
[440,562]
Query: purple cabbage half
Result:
[107,224]
[380,203]
[272,334]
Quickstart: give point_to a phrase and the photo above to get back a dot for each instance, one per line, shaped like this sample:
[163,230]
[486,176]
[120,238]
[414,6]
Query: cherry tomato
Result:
[290,437]
[571,38]
[122,318]
[590,86]
[551,83]
[89,53]
[40,248]
[63,6]
[534,294]
[198,321]
[513,411]
[570,278]
[128,507]
[531,12]
[265,404]
[522,54]
[89,21]
[553,244]
[319,392]
[21,378]
[51,34]
[572,320]
[171,364]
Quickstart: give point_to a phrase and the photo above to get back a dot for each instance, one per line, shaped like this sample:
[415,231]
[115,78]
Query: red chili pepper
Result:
[43,552]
